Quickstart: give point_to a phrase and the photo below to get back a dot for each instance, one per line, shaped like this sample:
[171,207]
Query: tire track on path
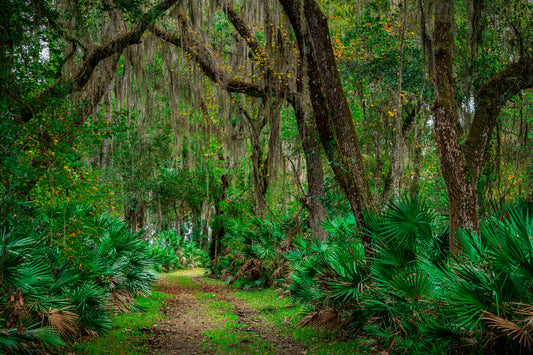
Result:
[191,321]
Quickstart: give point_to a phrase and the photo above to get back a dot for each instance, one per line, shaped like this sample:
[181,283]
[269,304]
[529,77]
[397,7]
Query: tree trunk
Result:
[461,194]
[415,181]
[306,129]
[315,173]
[399,138]
[330,107]
[461,165]
[258,182]
[335,118]
[215,248]
[134,213]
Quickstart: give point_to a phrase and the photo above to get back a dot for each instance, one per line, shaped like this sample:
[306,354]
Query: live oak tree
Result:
[462,159]
[330,107]
[478,55]
[81,70]
[270,90]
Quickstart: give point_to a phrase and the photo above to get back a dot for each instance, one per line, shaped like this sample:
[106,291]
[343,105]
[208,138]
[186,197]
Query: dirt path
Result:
[191,320]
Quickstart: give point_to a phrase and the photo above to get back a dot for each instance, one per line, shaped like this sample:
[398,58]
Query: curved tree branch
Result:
[207,62]
[243,29]
[64,86]
[490,99]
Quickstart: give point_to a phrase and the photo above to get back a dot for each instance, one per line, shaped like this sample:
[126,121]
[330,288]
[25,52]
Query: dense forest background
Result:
[258,134]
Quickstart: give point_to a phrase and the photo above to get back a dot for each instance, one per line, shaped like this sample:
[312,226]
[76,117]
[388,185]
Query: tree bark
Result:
[415,181]
[215,248]
[330,107]
[259,165]
[461,192]
[314,201]
[461,165]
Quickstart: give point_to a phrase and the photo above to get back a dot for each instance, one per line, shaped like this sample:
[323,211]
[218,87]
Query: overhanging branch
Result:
[62,87]
[208,63]
[490,99]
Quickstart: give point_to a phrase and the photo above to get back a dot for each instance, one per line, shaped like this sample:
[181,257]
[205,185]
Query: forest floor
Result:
[190,313]
[202,310]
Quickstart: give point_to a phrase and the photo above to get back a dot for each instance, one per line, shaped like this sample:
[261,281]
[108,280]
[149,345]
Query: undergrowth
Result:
[126,335]
[411,296]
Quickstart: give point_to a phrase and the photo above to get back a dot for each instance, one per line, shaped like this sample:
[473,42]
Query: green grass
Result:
[210,281]
[284,314]
[125,336]
[183,278]
[228,335]
[230,340]
[217,308]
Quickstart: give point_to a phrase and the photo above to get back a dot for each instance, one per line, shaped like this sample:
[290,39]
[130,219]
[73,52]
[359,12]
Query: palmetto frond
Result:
[412,285]
[521,334]
[510,243]
[403,222]
[494,269]
[344,228]
[324,318]
[64,321]
[331,275]
[33,339]
[304,289]
[441,330]
[91,304]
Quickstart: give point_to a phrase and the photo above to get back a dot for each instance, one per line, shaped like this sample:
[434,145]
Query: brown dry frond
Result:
[518,333]
[285,246]
[65,322]
[121,301]
[525,310]
[91,333]
[327,318]
[225,275]
[280,273]
[183,261]
[253,269]
[114,281]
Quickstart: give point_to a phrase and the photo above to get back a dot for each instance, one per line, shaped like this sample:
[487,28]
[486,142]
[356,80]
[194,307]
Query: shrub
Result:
[64,272]
[412,296]
[172,252]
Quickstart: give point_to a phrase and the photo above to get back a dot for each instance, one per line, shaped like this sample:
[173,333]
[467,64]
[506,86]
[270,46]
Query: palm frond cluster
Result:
[64,272]
[172,252]
[412,296]
[256,253]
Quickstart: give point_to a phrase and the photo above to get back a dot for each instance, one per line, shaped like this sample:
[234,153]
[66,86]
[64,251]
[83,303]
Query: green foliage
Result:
[329,274]
[257,247]
[171,252]
[126,335]
[73,262]
[65,271]
[411,295]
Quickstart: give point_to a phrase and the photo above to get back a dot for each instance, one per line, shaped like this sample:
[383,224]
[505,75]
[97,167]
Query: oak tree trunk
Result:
[330,106]
[315,173]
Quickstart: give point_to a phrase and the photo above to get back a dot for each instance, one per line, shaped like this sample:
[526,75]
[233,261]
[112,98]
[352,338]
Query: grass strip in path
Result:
[285,315]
